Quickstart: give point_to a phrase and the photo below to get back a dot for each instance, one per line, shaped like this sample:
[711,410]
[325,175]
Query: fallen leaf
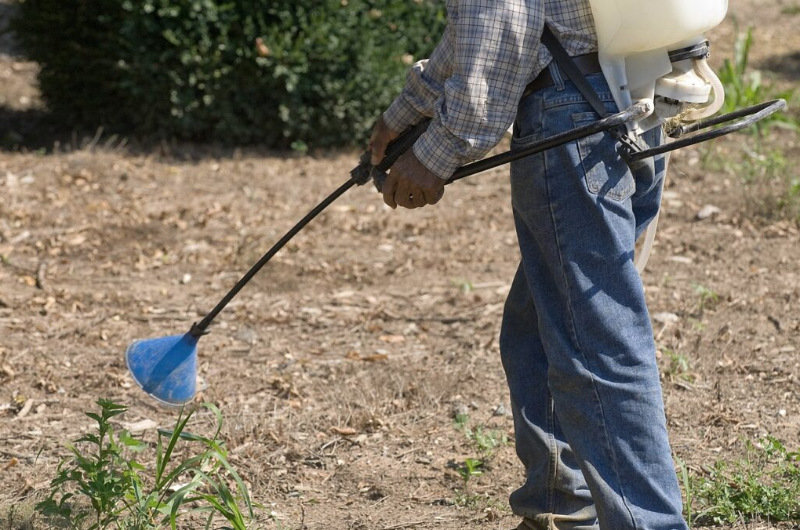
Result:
[344,431]
[140,426]
[26,408]
[666,318]
[707,211]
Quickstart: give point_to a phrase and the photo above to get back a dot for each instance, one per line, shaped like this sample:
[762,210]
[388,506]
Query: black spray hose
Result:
[199,329]
[365,171]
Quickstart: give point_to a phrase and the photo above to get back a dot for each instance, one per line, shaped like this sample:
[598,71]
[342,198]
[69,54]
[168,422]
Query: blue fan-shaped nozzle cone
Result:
[165,368]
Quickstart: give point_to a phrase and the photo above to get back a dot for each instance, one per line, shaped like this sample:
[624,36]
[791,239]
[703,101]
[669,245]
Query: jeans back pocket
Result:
[607,174]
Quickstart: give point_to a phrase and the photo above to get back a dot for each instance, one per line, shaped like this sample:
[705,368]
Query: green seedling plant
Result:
[707,298]
[464,285]
[764,485]
[759,168]
[471,467]
[745,87]
[485,441]
[769,182]
[105,474]
[679,366]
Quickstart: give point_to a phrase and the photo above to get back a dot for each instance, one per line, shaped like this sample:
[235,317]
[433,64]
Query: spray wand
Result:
[166,367]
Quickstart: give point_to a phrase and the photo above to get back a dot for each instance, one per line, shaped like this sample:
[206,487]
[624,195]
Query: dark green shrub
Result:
[191,69]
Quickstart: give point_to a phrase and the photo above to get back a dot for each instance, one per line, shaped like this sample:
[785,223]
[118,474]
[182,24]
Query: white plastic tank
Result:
[625,27]
[635,36]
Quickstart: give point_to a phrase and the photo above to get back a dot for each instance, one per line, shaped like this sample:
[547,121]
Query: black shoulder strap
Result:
[566,65]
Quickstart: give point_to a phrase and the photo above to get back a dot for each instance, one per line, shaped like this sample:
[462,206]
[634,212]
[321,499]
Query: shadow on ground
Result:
[786,66]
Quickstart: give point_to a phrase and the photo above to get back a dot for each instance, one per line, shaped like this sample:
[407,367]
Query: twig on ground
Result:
[403,525]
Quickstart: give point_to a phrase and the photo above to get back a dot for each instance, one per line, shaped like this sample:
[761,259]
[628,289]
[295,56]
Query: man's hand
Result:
[382,135]
[410,184]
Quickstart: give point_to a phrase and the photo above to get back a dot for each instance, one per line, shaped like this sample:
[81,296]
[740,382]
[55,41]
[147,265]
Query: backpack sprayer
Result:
[653,54]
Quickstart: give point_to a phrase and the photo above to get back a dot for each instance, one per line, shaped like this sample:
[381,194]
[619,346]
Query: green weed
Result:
[765,174]
[679,366]
[461,419]
[480,502]
[745,87]
[687,490]
[483,439]
[707,298]
[103,485]
[765,484]
[465,286]
[757,166]
[470,468]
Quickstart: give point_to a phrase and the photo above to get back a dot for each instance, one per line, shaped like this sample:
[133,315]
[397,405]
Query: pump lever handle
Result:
[745,118]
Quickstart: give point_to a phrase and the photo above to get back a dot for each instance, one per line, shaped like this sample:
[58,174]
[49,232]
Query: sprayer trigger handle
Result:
[366,171]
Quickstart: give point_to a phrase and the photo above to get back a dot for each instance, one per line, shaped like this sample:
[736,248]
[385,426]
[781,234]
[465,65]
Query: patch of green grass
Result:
[104,485]
[764,484]
[769,183]
[745,87]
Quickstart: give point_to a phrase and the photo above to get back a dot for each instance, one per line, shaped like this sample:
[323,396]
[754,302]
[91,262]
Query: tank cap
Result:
[700,50]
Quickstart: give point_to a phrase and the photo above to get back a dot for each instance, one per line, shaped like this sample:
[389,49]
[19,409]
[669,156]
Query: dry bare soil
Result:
[340,368]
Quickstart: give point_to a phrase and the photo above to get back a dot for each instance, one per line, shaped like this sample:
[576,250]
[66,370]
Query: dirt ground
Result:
[338,370]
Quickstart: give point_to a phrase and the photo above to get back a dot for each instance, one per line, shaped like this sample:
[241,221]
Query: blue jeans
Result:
[576,342]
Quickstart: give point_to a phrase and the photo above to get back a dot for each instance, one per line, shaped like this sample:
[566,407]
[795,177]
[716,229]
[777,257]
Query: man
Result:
[576,342]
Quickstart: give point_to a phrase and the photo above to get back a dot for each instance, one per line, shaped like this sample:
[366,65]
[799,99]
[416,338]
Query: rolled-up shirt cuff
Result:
[401,115]
[438,150]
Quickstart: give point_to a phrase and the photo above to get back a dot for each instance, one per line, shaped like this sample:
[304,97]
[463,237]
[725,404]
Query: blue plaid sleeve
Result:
[472,82]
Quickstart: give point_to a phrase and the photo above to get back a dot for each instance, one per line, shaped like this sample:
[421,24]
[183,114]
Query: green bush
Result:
[192,69]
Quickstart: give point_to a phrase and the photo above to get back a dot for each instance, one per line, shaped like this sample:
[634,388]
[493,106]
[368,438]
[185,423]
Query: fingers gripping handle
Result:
[365,170]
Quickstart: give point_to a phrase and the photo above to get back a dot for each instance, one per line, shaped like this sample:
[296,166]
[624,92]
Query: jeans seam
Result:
[573,331]
[553,471]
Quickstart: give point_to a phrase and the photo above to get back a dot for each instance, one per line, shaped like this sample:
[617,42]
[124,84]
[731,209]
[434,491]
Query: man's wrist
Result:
[436,150]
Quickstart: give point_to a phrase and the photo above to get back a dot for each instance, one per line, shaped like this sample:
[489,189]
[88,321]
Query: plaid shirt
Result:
[473,80]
